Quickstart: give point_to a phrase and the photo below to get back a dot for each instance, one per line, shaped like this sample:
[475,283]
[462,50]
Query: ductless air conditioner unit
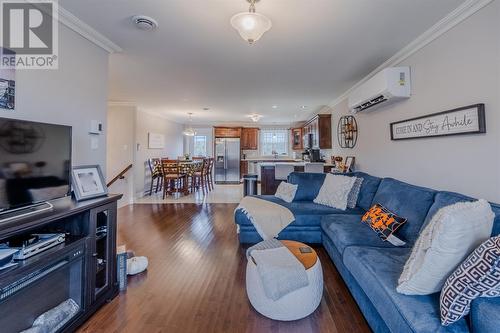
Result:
[389,85]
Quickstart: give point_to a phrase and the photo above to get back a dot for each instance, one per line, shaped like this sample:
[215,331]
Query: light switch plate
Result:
[94,143]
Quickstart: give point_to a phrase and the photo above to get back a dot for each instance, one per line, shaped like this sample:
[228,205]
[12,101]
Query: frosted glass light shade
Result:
[251,26]
[189,132]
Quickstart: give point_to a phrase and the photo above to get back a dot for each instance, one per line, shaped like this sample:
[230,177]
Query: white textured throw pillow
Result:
[335,191]
[451,235]
[286,191]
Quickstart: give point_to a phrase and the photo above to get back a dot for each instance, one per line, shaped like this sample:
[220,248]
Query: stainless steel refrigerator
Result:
[227,161]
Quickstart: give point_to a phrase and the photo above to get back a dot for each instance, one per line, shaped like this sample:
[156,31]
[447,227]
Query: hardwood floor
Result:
[196,278]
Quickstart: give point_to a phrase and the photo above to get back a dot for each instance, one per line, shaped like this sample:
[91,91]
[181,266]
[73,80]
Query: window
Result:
[200,145]
[274,141]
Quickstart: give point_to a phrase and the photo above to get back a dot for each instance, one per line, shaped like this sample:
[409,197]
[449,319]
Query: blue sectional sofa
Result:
[369,266]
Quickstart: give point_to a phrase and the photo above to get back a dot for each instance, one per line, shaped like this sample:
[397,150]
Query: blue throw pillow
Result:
[477,276]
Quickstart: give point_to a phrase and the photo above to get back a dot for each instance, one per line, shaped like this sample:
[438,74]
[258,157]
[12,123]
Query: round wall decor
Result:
[347,132]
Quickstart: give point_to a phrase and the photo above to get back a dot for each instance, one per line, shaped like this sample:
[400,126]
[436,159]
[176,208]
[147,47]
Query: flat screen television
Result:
[35,162]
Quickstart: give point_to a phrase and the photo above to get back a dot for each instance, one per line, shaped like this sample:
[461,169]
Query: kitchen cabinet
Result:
[249,138]
[243,168]
[227,132]
[321,129]
[297,137]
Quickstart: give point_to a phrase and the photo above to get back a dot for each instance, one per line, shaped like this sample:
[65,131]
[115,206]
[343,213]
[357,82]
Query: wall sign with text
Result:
[466,120]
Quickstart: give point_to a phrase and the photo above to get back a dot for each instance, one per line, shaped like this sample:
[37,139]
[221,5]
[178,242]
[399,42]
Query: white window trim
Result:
[194,145]
[287,141]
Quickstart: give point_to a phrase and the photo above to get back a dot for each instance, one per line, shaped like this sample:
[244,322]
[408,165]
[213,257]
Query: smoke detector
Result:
[145,22]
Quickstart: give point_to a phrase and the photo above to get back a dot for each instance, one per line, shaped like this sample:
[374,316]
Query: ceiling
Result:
[316,50]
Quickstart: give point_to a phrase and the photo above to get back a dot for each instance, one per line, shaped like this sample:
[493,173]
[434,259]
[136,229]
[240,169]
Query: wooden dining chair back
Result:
[174,178]
[210,173]
[156,172]
[199,179]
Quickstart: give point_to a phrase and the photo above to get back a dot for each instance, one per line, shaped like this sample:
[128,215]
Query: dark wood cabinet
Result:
[249,138]
[297,137]
[81,268]
[227,132]
[243,168]
[321,129]
[103,249]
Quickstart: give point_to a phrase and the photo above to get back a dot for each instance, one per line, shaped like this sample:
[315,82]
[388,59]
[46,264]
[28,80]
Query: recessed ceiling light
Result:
[145,22]
[303,107]
[274,106]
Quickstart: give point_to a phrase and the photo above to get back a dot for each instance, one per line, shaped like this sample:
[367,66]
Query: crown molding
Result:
[122,103]
[462,12]
[74,23]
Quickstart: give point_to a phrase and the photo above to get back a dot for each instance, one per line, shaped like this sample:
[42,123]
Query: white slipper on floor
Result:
[136,265]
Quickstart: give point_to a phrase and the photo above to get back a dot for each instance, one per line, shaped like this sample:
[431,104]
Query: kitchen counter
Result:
[269,184]
[296,163]
[257,159]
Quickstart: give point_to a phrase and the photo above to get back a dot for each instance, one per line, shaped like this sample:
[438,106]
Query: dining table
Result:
[188,167]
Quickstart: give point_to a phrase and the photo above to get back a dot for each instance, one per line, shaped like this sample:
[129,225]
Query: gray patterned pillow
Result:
[352,198]
[286,191]
[477,276]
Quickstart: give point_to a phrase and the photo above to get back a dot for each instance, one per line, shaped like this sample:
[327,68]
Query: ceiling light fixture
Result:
[190,130]
[145,22]
[251,25]
[255,117]
[274,106]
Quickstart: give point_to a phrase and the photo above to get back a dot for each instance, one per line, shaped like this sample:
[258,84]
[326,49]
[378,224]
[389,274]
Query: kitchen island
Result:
[268,182]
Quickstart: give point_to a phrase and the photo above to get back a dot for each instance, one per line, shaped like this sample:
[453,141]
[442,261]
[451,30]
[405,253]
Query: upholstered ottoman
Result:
[295,305]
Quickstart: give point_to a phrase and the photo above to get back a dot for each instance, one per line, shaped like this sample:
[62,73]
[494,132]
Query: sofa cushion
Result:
[352,198]
[408,201]
[306,213]
[478,276]
[443,199]
[377,270]
[384,223]
[453,233]
[368,189]
[348,230]
[335,191]
[496,223]
[309,184]
[485,315]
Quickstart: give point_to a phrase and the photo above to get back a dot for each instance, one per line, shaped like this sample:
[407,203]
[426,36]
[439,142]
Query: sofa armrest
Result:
[485,315]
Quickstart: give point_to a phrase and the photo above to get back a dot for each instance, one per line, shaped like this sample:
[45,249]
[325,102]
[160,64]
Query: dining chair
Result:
[200,179]
[174,178]
[156,172]
[209,174]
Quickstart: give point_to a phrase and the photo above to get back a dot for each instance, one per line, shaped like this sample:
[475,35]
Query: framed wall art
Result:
[465,120]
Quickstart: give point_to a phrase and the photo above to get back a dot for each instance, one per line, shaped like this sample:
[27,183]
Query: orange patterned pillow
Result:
[384,223]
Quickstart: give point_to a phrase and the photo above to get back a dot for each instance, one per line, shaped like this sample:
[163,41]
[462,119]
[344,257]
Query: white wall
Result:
[144,124]
[120,150]
[73,95]
[460,68]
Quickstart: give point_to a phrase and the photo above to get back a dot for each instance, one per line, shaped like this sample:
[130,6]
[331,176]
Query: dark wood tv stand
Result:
[83,268]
